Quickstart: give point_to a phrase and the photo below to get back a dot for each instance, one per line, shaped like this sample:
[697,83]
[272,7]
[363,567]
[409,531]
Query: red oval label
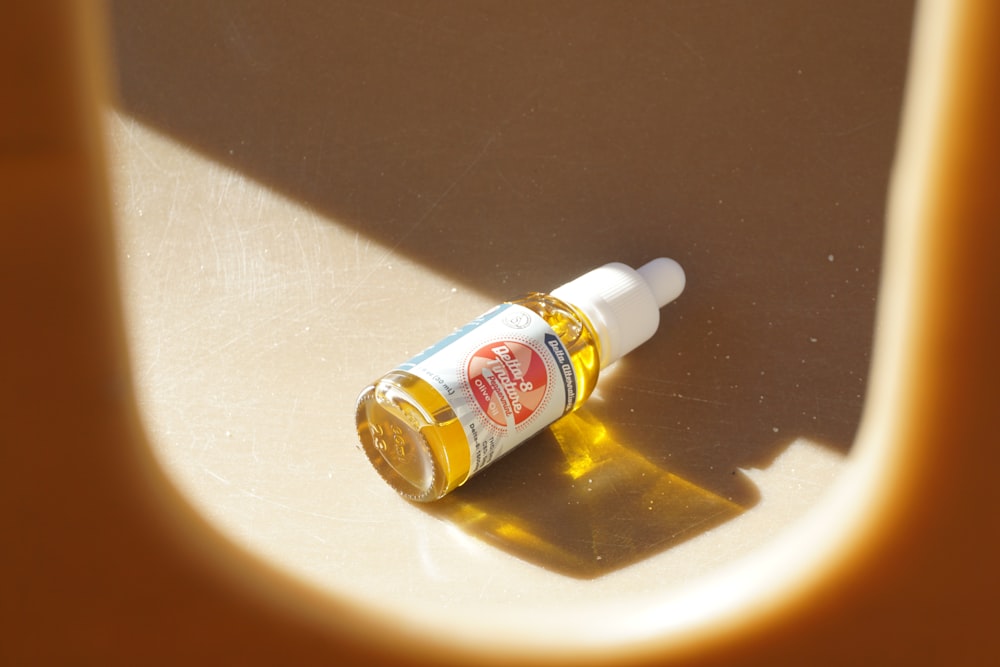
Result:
[509,380]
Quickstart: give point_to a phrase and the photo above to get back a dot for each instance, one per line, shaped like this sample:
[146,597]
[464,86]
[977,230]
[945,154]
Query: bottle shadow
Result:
[578,500]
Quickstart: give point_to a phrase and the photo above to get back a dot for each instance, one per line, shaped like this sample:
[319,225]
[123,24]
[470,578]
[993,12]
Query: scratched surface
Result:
[309,196]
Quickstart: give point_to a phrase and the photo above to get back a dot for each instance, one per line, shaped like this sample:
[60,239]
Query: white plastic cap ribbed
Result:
[624,304]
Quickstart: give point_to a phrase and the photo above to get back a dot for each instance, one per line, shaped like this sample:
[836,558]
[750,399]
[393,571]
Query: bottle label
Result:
[505,374]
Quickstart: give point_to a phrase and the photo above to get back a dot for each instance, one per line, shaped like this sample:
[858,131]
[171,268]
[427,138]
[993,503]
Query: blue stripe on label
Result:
[453,336]
[565,366]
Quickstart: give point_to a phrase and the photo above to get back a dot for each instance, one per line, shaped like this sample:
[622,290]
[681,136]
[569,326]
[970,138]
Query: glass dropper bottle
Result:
[433,422]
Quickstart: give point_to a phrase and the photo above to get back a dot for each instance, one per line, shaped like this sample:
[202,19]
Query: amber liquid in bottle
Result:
[410,432]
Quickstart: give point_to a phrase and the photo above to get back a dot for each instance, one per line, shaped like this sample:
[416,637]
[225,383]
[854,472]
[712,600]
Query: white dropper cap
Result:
[623,303]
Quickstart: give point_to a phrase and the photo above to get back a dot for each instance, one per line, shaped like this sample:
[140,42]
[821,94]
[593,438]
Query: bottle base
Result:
[396,447]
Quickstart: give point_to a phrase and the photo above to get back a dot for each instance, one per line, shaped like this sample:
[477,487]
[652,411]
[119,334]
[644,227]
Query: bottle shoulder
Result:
[568,322]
